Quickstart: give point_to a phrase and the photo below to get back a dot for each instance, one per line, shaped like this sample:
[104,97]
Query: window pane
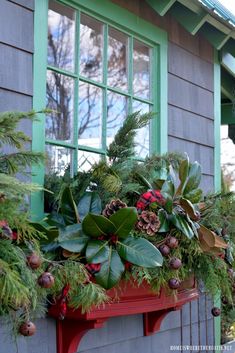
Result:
[90,115]
[116,113]
[59,124]
[141,70]
[91,48]
[86,160]
[142,136]
[59,159]
[61,33]
[117,59]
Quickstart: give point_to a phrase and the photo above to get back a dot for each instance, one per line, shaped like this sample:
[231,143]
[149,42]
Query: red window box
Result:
[131,300]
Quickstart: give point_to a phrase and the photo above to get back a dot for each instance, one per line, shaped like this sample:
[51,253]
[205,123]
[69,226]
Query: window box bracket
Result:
[131,300]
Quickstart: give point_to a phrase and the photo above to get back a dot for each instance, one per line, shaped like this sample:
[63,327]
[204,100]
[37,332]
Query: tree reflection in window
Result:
[92,92]
[59,122]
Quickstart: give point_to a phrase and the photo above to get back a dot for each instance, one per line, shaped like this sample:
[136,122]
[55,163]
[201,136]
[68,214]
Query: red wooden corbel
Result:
[70,332]
[153,320]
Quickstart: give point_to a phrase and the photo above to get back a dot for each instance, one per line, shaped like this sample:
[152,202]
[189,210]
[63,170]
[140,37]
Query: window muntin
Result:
[108,78]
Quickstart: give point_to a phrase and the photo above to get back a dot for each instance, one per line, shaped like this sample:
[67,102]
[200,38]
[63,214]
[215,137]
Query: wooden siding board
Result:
[25,3]
[15,70]
[187,96]
[190,126]
[196,152]
[10,101]
[114,331]
[16,26]
[190,67]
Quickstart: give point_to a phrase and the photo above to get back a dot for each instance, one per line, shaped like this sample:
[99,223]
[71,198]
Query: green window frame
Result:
[128,23]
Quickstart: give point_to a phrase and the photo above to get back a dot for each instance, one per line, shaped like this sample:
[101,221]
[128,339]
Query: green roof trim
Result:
[219,10]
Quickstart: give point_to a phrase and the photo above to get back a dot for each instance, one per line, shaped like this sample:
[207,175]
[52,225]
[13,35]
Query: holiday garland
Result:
[122,220]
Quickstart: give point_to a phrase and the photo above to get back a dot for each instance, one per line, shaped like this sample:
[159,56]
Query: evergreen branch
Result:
[11,187]
[123,144]
[17,162]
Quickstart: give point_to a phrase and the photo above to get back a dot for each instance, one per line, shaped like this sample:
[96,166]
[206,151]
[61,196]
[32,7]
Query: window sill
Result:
[131,300]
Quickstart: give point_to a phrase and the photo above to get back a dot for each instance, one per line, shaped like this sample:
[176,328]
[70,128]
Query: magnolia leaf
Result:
[168,190]
[111,270]
[183,174]
[68,208]
[180,223]
[189,208]
[97,251]
[194,178]
[90,202]
[95,226]
[124,221]
[164,222]
[194,196]
[140,252]
[72,239]
[210,238]
[56,219]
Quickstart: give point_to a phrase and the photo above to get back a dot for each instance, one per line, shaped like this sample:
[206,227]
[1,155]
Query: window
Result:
[96,75]
[94,62]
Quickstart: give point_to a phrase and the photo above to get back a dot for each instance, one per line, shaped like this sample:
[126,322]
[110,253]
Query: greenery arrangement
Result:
[122,220]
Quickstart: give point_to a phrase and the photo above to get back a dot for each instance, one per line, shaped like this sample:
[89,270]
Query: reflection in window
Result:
[90,115]
[117,59]
[61,32]
[116,113]
[86,160]
[91,48]
[141,70]
[58,159]
[142,136]
[59,123]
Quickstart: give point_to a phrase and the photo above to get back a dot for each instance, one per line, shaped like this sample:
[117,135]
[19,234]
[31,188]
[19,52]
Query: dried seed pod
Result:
[172,242]
[34,261]
[27,328]
[174,283]
[46,280]
[175,263]
[164,249]
[215,311]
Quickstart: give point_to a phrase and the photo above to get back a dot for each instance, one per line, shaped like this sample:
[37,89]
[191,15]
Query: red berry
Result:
[93,268]
[27,329]
[34,261]
[172,242]
[46,280]
[174,283]
[215,311]
[175,263]
[164,249]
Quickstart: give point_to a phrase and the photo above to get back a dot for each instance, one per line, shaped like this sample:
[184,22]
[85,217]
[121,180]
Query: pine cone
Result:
[148,222]
[113,207]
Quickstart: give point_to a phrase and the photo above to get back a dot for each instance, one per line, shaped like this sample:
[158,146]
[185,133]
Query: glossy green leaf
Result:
[68,208]
[183,175]
[56,219]
[74,245]
[168,190]
[194,196]
[111,270]
[183,170]
[90,202]
[140,252]
[194,178]
[164,222]
[72,238]
[180,223]
[95,226]
[124,221]
[97,251]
